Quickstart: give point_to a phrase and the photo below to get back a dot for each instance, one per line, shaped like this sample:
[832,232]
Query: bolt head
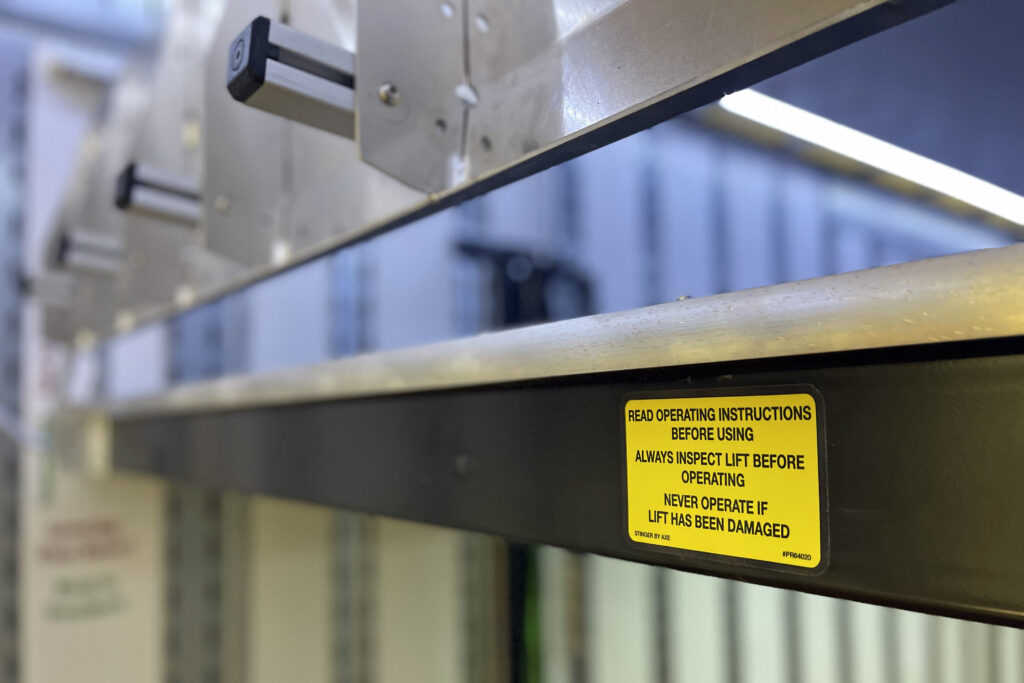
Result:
[237,54]
[388,94]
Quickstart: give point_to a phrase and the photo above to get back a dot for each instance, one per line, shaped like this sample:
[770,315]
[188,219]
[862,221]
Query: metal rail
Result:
[919,368]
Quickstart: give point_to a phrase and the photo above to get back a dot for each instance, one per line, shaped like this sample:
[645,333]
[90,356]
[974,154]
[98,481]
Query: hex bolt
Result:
[389,94]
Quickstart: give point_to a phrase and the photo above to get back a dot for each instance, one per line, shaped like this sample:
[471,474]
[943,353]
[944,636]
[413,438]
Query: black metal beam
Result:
[924,451]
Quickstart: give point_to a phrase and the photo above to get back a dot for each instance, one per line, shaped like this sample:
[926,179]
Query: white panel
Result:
[819,644]
[419,608]
[288,318]
[867,642]
[1009,666]
[974,641]
[685,177]
[235,322]
[697,621]
[555,615]
[763,634]
[611,215]
[894,252]
[803,222]
[83,383]
[289,606]
[951,652]
[621,638]
[137,362]
[92,578]
[412,289]
[750,191]
[854,249]
[348,300]
[913,650]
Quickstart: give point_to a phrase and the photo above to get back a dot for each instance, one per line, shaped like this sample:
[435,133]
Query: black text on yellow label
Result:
[729,475]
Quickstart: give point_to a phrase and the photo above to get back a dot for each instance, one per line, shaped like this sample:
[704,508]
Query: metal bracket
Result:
[489,86]
[411,60]
[293,75]
[148,190]
[90,252]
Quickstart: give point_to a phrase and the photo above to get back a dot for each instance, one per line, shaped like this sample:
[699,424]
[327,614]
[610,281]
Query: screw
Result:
[388,94]
[238,54]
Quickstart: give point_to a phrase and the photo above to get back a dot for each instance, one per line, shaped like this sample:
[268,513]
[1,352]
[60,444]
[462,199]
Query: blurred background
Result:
[127,578]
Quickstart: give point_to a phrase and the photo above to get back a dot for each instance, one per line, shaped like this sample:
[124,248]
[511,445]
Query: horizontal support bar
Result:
[922,447]
[313,55]
[917,372]
[154,202]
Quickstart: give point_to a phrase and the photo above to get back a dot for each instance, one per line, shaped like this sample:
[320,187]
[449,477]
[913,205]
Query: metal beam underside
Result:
[922,434]
[599,74]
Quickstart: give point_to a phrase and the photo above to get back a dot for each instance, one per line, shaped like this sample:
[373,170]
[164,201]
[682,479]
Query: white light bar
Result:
[886,157]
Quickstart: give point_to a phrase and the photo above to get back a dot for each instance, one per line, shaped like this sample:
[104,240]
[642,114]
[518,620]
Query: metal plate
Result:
[332,193]
[418,47]
[272,188]
[555,73]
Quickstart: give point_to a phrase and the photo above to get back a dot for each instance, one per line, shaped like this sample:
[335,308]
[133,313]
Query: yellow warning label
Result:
[729,475]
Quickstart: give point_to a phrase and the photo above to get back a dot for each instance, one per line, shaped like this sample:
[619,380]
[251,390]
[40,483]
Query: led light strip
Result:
[868,150]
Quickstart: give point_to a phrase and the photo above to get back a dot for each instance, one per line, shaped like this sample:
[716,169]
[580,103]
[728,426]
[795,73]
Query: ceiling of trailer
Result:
[949,85]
